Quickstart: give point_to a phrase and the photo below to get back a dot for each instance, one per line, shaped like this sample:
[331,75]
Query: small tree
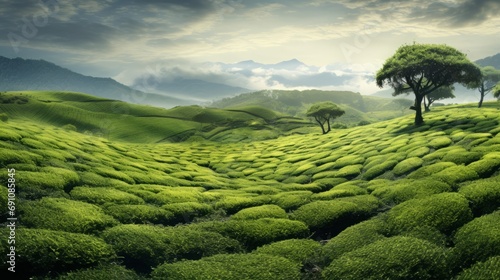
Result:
[496,91]
[423,68]
[439,94]
[490,77]
[323,112]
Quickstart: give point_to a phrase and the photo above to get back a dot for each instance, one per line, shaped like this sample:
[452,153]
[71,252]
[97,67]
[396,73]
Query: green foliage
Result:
[456,174]
[485,167]
[428,170]
[461,157]
[40,251]
[258,212]
[407,165]
[479,239]
[69,127]
[186,211]
[254,233]
[487,270]
[406,189]
[423,68]
[231,267]
[144,246]
[391,258]
[323,112]
[102,195]
[102,272]
[445,212]
[352,238]
[4,117]
[297,250]
[140,214]
[65,215]
[483,194]
[379,169]
[341,190]
[440,142]
[338,213]
[233,204]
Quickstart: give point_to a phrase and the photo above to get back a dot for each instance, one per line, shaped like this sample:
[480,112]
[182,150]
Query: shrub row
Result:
[145,246]
[231,267]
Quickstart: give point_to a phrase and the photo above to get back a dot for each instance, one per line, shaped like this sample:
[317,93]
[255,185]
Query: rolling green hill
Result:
[116,120]
[359,108]
[383,201]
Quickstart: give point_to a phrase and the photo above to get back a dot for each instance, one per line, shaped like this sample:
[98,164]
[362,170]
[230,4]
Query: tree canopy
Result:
[323,112]
[423,68]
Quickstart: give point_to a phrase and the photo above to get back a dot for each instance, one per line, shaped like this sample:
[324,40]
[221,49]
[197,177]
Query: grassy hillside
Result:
[359,108]
[381,201]
[116,120]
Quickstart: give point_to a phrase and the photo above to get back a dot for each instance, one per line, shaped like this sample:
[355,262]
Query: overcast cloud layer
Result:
[126,39]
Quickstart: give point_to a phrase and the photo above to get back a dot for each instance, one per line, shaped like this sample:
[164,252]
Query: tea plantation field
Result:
[383,201]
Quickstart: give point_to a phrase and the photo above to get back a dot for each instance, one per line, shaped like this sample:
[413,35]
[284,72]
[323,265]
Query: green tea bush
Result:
[179,194]
[462,157]
[440,142]
[395,192]
[297,250]
[445,212]
[254,233]
[484,195]
[487,270]
[103,195]
[91,179]
[349,160]
[479,239]
[231,267]
[144,246]
[352,238]
[337,214]
[111,173]
[428,170]
[341,190]
[233,204]
[65,215]
[41,251]
[140,214]
[187,211]
[9,135]
[456,174]
[391,258]
[258,212]
[292,200]
[418,152]
[379,169]
[102,272]
[4,192]
[349,171]
[407,165]
[485,167]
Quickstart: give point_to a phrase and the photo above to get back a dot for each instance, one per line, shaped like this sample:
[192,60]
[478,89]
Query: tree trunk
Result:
[320,124]
[427,103]
[329,128]
[418,109]
[481,99]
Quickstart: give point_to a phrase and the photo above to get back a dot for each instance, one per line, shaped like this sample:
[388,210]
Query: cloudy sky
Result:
[124,39]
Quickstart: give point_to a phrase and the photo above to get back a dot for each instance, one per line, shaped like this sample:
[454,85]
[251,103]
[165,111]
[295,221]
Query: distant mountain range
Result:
[19,74]
[201,84]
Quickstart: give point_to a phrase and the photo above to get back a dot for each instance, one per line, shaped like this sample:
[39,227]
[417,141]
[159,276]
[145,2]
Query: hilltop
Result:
[387,200]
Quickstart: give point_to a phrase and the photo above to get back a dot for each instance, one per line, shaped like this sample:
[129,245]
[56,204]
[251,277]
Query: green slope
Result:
[387,200]
[118,120]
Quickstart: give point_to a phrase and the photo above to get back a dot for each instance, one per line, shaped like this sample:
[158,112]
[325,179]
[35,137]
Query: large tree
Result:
[423,68]
[323,112]
[490,77]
